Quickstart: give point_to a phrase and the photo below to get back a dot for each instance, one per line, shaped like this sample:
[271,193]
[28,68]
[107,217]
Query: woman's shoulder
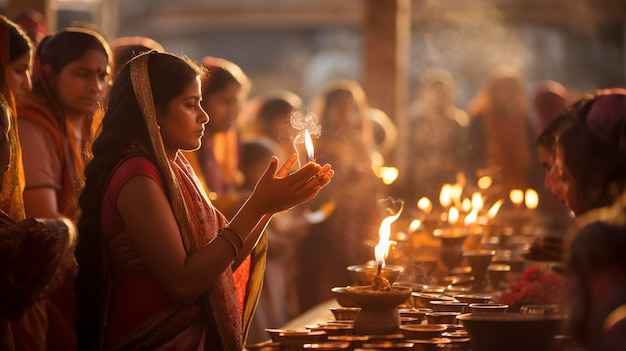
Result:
[130,167]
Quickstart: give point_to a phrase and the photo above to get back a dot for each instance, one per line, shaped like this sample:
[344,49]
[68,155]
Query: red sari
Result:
[140,314]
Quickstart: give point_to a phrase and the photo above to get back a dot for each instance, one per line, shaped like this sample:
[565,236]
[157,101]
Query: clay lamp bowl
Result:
[449,306]
[487,307]
[342,298]
[275,333]
[433,344]
[510,331]
[470,298]
[422,300]
[422,331]
[296,339]
[330,345]
[442,317]
[345,313]
[355,341]
[388,346]
[266,346]
[364,274]
[378,314]
[418,313]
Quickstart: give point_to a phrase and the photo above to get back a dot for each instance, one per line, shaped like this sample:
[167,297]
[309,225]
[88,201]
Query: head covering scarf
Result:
[185,201]
[11,201]
[606,119]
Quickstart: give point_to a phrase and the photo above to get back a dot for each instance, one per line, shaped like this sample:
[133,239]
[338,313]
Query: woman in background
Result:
[58,119]
[30,249]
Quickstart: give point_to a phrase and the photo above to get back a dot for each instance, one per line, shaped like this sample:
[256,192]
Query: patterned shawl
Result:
[11,200]
[191,209]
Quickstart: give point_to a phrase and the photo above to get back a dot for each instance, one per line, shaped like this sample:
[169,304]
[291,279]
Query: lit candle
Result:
[445,198]
[493,211]
[466,205]
[425,205]
[517,197]
[531,199]
[477,201]
[484,182]
[308,143]
[389,174]
[414,225]
[384,232]
[471,218]
[453,216]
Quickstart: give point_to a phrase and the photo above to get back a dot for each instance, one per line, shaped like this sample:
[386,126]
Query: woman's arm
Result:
[154,231]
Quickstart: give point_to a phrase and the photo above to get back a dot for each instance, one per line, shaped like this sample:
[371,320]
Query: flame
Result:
[471,217]
[493,211]
[455,194]
[382,248]
[445,196]
[389,174]
[425,205]
[516,196]
[531,199]
[466,205]
[477,201]
[308,143]
[414,225]
[484,182]
[453,215]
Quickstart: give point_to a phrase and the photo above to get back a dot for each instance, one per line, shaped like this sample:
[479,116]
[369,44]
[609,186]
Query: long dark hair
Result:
[122,127]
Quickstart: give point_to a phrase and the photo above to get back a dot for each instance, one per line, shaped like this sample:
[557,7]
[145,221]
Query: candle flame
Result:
[531,199]
[493,211]
[516,196]
[389,174]
[414,225]
[425,205]
[382,248]
[484,182]
[453,215]
[471,217]
[455,194]
[308,143]
[477,201]
[466,205]
[445,198]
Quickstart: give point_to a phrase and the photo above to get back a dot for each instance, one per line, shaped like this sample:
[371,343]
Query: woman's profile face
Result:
[80,85]
[223,108]
[569,189]
[17,75]
[551,177]
[182,125]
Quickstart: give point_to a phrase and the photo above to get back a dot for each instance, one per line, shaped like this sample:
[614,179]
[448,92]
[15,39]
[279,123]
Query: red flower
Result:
[534,287]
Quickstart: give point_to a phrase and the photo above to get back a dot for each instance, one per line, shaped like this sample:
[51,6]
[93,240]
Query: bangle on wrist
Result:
[241,240]
[230,241]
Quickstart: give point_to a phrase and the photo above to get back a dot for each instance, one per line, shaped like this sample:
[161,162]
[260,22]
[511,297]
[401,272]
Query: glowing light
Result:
[453,215]
[445,198]
[531,199]
[477,201]
[516,196]
[471,217]
[466,205]
[389,174]
[425,205]
[308,143]
[484,182]
[382,248]
[414,225]
[493,211]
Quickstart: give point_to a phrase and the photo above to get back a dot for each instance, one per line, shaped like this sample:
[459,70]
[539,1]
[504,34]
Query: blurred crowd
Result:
[55,89]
